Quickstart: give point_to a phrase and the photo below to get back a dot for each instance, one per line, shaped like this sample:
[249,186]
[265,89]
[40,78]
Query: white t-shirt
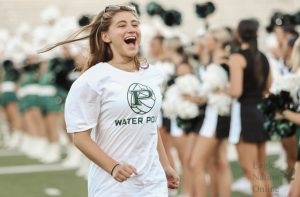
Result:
[121,108]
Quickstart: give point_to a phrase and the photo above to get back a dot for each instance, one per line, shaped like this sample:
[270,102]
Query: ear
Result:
[105,37]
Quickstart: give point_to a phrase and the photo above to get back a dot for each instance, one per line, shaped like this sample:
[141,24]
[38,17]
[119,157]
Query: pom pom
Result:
[289,83]
[170,100]
[186,109]
[221,102]
[174,104]
[188,84]
[215,77]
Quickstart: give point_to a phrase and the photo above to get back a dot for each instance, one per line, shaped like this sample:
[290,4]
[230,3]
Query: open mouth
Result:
[130,40]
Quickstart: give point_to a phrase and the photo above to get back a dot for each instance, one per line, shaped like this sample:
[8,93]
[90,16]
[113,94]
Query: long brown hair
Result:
[247,30]
[99,50]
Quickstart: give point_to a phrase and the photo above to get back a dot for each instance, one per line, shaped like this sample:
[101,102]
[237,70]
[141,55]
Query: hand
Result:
[279,115]
[219,90]
[195,99]
[123,171]
[172,178]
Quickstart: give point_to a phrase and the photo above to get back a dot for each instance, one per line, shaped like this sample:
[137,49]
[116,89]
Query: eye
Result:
[135,24]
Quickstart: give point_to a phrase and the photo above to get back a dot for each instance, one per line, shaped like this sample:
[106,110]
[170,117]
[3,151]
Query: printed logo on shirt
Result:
[141,98]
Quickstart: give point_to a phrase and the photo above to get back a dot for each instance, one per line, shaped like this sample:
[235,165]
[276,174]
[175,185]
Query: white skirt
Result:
[235,122]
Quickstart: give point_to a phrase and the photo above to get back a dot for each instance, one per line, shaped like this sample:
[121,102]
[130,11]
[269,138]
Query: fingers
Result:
[124,172]
[173,184]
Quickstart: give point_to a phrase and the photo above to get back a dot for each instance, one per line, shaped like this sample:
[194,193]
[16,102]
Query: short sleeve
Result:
[82,107]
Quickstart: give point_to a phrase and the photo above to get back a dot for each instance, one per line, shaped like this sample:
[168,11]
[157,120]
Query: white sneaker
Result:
[63,138]
[53,154]
[73,158]
[281,161]
[38,148]
[242,185]
[26,144]
[14,140]
[283,190]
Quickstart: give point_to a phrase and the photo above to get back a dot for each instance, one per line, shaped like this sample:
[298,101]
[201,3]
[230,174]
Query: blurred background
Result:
[41,164]
[227,12]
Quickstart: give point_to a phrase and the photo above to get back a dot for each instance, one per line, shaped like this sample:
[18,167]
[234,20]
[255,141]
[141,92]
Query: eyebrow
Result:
[132,21]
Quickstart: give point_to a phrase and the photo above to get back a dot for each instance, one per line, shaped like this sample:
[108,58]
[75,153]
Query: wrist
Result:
[283,113]
[113,169]
[166,167]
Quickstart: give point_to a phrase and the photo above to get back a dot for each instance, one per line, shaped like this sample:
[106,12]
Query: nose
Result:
[132,29]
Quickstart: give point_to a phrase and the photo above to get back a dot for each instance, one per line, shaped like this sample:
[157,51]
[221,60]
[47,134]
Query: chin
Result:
[132,55]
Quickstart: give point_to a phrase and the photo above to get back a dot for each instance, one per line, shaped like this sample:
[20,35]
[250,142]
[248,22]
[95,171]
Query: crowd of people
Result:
[214,90]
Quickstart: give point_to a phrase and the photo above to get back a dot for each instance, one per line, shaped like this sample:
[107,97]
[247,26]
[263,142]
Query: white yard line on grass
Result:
[7,153]
[31,168]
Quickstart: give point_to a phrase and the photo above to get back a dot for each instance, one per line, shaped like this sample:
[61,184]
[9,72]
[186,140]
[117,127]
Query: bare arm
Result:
[269,83]
[172,177]
[83,141]
[162,153]
[236,66]
[89,148]
[291,116]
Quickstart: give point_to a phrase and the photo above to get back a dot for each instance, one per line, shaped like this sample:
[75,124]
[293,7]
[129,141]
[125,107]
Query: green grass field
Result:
[55,181]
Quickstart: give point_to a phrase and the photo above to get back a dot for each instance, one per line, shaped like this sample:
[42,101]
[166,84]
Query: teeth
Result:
[130,37]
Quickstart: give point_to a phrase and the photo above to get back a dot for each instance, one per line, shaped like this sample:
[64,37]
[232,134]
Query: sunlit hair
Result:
[295,58]
[222,36]
[99,50]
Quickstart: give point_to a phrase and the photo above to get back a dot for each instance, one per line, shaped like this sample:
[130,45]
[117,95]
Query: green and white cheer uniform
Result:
[49,101]
[9,86]
[29,90]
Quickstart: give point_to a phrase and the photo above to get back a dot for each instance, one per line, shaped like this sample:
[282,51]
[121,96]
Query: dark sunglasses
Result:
[119,7]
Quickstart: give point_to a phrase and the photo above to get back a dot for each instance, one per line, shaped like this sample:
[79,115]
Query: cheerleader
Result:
[285,35]
[295,118]
[50,104]
[158,54]
[288,142]
[250,79]
[209,151]
[29,107]
[9,102]
[183,116]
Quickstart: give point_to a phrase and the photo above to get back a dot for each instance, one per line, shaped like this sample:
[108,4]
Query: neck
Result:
[244,45]
[219,55]
[126,64]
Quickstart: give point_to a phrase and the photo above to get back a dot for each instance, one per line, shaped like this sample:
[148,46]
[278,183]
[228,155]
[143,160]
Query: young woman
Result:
[209,151]
[9,102]
[158,53]
[250,78]
[29,107]
[289,143]
[295,118]
[112,108]
[50,104]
